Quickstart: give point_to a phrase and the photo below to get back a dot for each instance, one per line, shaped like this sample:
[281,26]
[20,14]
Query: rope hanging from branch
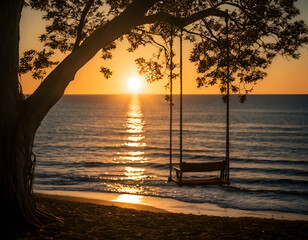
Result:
[170,101]
[227,102]
[181,98]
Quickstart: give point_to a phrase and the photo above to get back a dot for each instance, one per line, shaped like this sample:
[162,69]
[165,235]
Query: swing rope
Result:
[228,104]
[171,103]
[181,98]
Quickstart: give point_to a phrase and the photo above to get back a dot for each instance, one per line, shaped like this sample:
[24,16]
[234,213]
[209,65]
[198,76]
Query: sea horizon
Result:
[177,94]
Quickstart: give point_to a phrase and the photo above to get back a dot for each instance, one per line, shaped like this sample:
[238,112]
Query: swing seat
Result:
[201,167]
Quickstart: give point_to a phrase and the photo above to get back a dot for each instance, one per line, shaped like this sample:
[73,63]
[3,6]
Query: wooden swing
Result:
[222,167]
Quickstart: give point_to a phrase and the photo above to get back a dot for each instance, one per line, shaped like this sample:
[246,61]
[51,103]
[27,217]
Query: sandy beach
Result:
[97,219]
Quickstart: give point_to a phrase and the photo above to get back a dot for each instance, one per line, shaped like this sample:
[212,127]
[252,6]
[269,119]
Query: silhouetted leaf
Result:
[106,72]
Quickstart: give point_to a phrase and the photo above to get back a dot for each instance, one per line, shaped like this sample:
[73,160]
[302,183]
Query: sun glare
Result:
[134,84]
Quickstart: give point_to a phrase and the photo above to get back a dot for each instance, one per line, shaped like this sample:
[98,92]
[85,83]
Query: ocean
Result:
[120,144]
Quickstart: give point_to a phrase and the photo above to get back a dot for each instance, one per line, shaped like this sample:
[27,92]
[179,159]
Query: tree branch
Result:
[54,85]
[258,24]
[182,21]
[81,24]
[209,30]
[198,34]
[154,42]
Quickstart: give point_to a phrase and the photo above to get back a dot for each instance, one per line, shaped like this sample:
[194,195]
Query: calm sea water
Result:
[120,143]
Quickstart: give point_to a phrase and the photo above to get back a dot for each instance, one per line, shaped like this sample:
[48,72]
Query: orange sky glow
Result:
[285,76]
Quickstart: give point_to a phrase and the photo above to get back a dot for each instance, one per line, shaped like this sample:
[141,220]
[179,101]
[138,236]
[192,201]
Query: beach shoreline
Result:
[139,207]
[83,218]
[157,204]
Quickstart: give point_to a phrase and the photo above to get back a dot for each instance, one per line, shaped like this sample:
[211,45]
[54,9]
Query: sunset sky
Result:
[285,76]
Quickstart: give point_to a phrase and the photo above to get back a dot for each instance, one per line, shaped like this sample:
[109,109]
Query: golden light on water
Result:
[134,173]
[125,159]
[134,126]
[134,138]
[128,198]
[134,129]
[133,143]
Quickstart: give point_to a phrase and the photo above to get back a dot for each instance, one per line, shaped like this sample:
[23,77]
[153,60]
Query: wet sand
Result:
[169,205]
[97,219]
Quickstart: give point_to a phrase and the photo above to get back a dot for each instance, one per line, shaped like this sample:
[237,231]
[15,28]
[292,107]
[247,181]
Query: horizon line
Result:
[175,94]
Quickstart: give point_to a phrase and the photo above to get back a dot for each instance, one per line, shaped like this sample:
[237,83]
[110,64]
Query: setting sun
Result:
[134,84]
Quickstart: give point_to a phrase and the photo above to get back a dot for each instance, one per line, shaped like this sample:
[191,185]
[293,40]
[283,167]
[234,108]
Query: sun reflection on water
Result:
[132,151]
[128,198]
[134,138]
[134,173]
[125,159]
[134,144]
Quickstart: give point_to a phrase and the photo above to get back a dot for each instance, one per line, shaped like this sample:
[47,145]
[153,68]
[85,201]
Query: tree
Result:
[259,30]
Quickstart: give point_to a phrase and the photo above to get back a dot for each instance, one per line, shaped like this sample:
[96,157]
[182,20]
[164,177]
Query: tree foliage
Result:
[36,62]
[258,31]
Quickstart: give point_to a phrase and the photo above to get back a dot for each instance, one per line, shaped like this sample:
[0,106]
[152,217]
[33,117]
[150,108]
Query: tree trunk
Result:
[21,117]
[16,140]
